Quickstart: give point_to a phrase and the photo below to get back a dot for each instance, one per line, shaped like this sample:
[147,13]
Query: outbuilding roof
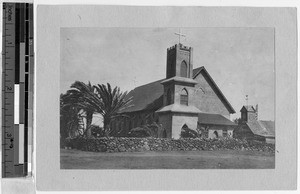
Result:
[262,128]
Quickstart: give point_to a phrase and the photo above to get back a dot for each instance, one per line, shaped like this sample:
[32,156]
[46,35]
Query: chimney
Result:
[256,111]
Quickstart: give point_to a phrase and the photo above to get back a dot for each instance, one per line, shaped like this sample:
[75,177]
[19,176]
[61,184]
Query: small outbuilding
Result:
[251,128]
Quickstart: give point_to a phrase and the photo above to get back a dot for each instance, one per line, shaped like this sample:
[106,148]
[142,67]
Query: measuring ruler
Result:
[17,89]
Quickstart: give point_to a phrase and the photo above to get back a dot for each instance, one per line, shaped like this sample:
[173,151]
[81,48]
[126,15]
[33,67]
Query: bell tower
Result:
[179,75]
[178,110]
[179,61]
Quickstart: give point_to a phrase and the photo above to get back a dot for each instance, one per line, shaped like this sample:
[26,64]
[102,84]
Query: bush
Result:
[139,132]
[148,130]
[189,133]
[97,131]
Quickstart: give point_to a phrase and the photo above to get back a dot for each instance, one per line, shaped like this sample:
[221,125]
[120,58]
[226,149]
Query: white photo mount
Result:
[49,21]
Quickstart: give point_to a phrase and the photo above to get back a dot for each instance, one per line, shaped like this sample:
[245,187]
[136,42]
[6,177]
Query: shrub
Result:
[139,132]
[189,133]
[97,131]
[148,130]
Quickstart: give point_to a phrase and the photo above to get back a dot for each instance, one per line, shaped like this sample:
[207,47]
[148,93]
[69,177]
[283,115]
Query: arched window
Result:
[169,97]
[184,97]
[183,69]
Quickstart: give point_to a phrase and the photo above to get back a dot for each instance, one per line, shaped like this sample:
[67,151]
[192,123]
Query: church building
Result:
[186,97]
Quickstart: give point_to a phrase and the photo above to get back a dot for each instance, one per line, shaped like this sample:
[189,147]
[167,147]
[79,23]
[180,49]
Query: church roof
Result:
[149,96]
[262,128]
[179,80]
[214,119]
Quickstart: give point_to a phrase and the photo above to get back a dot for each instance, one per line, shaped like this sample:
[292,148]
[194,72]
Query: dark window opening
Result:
[169,97]
[165,134]
[183,69]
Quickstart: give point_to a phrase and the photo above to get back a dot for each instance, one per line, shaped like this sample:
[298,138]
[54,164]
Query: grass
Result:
[230,159]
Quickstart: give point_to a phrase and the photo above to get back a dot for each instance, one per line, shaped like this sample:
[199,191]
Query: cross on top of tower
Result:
[179,34]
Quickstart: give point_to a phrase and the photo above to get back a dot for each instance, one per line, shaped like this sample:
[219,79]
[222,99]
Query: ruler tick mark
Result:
[11,45]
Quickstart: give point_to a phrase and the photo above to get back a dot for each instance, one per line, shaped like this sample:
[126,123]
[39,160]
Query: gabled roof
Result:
[150,95]
[197,71]
[262,128]
[249,108]
[214,119]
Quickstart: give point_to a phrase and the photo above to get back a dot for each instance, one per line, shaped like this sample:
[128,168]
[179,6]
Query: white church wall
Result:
[178,120]
[211,133]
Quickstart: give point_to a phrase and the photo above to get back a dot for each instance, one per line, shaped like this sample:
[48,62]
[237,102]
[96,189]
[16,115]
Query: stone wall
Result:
[164,144]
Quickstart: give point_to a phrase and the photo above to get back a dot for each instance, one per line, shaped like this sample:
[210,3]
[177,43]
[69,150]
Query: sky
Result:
[240,60]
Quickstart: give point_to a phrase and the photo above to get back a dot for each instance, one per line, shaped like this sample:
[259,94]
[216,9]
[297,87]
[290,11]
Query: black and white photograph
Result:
[167,98]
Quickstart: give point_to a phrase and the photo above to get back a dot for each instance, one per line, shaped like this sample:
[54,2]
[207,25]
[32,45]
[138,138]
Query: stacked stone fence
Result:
[125,144]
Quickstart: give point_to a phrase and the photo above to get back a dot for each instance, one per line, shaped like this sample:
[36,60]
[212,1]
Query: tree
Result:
[109,102]
[100,99]
[237,120]
[71,118]
[82,93]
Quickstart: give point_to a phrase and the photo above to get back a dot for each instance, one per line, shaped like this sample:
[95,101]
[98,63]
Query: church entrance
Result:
[184,127]
[216,135]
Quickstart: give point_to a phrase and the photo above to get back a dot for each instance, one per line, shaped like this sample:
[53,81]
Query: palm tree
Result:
[109,102]
[100,99]
[81,93]
[71,119]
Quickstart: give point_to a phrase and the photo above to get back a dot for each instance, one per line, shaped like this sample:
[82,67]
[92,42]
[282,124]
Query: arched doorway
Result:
[184,127]
[216,135]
